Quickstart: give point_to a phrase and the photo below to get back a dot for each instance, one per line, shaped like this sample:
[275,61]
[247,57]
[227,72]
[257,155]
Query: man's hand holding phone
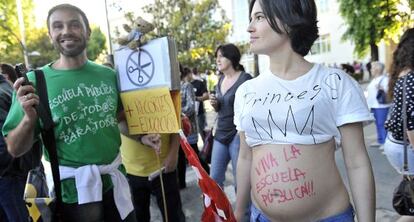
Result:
[25,93]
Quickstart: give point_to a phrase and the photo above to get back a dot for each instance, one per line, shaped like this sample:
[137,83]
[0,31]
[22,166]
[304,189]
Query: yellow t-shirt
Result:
[141,160]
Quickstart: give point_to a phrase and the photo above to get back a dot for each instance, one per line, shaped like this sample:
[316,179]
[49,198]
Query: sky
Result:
[95,9]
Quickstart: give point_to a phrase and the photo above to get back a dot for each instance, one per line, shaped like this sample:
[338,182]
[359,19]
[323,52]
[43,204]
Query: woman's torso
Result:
[395,122]
[297,182]
[307,110]
[226,129]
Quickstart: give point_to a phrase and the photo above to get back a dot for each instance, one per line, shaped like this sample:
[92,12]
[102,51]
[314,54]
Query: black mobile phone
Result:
[21,71]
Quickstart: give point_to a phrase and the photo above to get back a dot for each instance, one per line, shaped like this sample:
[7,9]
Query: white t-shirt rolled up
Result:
[306,110]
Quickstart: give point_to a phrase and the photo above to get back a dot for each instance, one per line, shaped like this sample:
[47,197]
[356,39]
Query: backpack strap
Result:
[48,137]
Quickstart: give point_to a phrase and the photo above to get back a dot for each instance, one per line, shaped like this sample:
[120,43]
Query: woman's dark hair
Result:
[403,58]
[9,71]
[298,18]
[232,53]
[70,8]
[185,72]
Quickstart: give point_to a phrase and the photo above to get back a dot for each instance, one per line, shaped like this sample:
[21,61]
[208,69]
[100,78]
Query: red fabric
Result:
[219,209]
[186,125]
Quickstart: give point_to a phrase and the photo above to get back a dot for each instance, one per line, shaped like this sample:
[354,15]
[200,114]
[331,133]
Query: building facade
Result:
[328,49]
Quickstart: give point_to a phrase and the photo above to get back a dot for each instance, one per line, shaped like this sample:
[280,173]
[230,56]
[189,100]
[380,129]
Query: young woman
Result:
[402,67]
[226,141]
[291,119]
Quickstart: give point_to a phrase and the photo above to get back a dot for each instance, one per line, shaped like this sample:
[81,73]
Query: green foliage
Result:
[96,43]
[40,42]
[10,39]
[192,26]
[370,21]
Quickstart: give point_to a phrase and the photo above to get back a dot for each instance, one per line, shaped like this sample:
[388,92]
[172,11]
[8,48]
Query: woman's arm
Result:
[359,171]
[243,178]
[170,162]
[410,135]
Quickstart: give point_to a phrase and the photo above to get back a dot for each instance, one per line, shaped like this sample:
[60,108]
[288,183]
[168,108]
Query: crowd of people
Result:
[280,130]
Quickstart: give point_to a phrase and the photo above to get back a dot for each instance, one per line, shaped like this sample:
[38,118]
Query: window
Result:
[322,45]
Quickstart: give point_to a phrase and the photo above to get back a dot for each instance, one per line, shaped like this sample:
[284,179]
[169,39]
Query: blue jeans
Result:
[221,156]
[346,216]
[11,198]
[380,115]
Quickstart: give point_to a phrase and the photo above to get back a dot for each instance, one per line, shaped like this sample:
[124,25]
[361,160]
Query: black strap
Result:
[404,116]
[48,137]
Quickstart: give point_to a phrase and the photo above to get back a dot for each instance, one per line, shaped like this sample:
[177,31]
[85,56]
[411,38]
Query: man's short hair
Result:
[70,8]
[298,18]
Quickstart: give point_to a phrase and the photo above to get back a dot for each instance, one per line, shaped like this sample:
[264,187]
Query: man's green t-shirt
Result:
[84,104]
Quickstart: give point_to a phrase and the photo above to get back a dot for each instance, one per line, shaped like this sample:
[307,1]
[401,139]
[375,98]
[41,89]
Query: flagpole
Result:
[22,32]
[110,57]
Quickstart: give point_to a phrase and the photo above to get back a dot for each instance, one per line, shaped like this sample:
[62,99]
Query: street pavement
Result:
[386,179]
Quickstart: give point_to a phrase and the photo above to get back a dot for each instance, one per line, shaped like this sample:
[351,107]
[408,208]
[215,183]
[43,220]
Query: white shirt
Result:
[89,184]
[306,110]
[372,88]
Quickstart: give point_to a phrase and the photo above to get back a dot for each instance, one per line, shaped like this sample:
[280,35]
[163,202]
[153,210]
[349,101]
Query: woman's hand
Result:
[214,102]
[152,140]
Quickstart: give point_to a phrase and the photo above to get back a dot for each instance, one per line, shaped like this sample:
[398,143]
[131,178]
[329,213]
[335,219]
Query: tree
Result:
[10,40]
[39,41]
[97,43]
[192,25]
[370,21]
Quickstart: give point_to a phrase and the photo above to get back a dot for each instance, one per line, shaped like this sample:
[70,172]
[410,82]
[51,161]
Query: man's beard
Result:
[71,52]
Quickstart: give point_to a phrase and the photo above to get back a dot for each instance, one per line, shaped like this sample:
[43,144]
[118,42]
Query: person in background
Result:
[198,76]
[8,72]
[201,95]
[188,109]
[357,66]
[141,162]
[291,120]
[402,68]
[368,66]
[226,140]
[211,80]
[12,177]
[380,111]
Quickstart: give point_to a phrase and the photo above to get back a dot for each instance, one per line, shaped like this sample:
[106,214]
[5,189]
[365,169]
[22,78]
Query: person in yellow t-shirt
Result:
[140,162]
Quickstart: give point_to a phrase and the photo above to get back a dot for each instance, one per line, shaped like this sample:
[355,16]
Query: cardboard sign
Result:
[155,64]
[152,110]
